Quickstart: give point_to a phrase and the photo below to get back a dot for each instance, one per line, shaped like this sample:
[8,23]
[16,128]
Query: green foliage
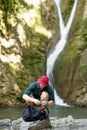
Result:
[82,68]
[11,7]
[84,34]
[67,11]
[8,8]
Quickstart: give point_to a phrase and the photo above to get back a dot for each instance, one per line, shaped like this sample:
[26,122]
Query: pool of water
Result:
[56,111]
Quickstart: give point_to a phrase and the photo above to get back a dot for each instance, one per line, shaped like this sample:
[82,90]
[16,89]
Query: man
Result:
[39,93]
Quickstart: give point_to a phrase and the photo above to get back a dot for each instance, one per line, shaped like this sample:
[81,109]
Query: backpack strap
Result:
[47,109]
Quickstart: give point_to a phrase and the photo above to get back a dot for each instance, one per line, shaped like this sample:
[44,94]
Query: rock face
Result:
[29,31]
[70,69]
[26,29]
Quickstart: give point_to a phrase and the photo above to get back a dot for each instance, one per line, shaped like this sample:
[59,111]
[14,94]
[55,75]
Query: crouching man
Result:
[39,93]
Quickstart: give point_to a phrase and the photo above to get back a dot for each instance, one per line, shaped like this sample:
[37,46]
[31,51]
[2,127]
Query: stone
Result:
[5,122]
[52,123]
[20,124]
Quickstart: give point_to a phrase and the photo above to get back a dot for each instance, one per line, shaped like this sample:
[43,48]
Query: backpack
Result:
[32,114]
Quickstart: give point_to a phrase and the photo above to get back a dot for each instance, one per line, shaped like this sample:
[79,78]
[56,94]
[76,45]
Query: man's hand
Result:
[31,99]
[44,103]
[36,101]
[50,103]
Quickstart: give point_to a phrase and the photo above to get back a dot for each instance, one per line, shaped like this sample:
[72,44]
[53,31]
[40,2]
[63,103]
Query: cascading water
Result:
[64,30]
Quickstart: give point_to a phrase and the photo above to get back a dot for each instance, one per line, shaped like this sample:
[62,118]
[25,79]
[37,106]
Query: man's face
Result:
[41,86]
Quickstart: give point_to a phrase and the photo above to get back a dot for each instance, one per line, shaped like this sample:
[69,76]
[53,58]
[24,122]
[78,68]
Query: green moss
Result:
[82,67]
[66,9]
[84,34]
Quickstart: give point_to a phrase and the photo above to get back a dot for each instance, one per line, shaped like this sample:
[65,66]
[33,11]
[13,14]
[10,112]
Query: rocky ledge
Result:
[53,123]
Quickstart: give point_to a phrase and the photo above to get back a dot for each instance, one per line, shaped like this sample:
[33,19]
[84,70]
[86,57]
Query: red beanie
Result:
[44,80]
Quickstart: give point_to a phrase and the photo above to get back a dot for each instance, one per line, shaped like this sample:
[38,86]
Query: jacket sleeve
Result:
[51,94]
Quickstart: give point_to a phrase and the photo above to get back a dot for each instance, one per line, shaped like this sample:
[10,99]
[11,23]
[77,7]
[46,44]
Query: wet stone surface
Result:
[53,123]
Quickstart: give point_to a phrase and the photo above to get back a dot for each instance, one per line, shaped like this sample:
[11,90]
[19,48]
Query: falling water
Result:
[64,30]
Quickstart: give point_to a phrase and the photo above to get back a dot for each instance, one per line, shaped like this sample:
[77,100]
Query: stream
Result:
[56,111]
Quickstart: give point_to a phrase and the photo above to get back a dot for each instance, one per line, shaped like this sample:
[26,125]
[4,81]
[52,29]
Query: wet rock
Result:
[54,123]
[20,124]
[5,122]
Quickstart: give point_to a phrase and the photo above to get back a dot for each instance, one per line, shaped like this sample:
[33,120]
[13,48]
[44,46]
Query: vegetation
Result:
[84,34]
[26,29]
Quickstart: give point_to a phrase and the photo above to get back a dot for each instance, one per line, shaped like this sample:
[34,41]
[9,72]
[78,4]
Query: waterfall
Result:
[64,30]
